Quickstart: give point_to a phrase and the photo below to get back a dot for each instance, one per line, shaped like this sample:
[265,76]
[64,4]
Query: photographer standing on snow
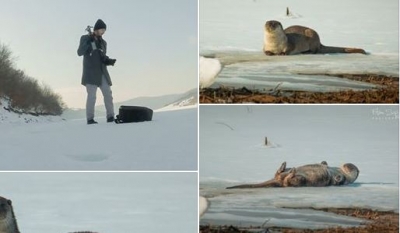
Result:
[95,74]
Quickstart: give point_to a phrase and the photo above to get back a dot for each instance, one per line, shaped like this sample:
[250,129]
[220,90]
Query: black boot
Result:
[110,119]
[91,121]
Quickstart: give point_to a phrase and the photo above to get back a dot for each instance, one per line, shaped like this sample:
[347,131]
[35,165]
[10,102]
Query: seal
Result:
[8,222]
[297,40]
[311,175]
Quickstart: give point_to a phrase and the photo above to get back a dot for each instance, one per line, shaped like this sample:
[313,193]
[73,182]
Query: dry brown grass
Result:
[387,93]
[381,222]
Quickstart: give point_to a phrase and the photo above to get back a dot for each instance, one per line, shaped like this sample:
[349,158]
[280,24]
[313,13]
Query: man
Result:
[95,74]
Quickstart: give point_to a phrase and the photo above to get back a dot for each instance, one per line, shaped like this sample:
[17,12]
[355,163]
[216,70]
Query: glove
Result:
[111,62]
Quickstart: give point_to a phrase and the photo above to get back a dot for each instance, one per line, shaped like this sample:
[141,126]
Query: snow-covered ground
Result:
[168,142]
[232,32]
[104,202]
[232,152]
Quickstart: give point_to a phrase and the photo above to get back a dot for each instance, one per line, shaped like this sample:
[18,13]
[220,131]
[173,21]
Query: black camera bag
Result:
[129,114]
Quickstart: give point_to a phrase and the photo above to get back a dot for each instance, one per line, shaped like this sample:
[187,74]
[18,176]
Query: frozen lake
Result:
[53,144]
[232,152]
[102,201]
[232,32]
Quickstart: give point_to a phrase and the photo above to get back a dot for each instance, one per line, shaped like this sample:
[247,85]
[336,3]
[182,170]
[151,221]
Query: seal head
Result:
[8,223]
[275,40]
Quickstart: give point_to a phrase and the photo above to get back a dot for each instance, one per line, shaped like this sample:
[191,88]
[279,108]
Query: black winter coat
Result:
[93,61]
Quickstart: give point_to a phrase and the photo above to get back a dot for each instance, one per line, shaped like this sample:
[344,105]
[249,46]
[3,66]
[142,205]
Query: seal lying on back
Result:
[296,40]
[312,175]
[8,222]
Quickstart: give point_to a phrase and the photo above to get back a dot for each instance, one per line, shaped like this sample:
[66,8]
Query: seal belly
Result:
[317,175]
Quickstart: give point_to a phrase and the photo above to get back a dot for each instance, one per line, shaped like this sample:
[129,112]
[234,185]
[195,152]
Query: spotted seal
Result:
[297,40]
[311,175]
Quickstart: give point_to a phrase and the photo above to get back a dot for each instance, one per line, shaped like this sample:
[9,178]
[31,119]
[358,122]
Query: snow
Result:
[208,70]
[203,205]
[102,202]
[190,102]
[168,142]
[232,152]
[234,38]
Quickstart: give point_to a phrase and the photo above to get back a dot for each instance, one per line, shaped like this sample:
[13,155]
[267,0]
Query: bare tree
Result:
[24,92]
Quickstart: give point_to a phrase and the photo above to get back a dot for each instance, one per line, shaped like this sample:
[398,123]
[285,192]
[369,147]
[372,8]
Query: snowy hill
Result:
[168,142]
[187,99]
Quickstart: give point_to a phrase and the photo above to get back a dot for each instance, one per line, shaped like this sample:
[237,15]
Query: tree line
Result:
[24,93]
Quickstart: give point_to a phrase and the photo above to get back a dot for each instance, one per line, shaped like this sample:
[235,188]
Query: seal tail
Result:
[331,49]
[266,184]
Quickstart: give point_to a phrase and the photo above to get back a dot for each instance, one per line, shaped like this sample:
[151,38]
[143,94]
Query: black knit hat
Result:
[100,25]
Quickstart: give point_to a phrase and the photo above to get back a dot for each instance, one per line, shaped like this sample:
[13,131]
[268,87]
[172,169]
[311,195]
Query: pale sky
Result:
[154,42]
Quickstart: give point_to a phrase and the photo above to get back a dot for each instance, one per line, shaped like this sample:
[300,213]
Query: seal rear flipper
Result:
[282,168]
[267,184]
[331,49]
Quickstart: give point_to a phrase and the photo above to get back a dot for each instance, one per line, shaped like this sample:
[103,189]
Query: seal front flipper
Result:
[338,179]
[294,179]
[267,184]
[269,53]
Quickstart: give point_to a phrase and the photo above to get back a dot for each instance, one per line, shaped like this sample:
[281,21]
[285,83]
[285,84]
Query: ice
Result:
[51,143]
[232,32]
[232,152]
[209,69]
[203,205]
[102,202]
